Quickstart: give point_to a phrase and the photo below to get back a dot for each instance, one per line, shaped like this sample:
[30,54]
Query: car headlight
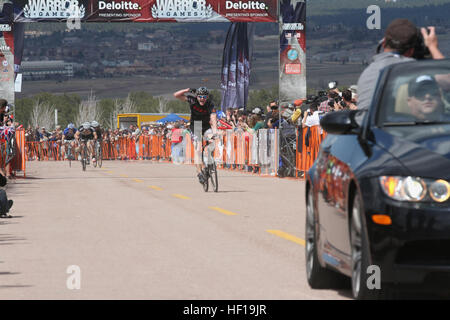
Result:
[440,190]
[415,189]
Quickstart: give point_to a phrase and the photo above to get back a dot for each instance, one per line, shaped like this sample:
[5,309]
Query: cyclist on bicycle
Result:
[69,137]
[87,134]
[203,110]
[99,132]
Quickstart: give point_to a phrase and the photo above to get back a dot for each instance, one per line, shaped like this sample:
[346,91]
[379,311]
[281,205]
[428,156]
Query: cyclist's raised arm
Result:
[213,121]
[95,135]
[180,95]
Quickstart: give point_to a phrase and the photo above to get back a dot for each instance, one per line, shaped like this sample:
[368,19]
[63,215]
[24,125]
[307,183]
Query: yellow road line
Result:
[124,175]
[223,211]
[155,188]
[287,236]
[109,171]
[180,196]
[138,180]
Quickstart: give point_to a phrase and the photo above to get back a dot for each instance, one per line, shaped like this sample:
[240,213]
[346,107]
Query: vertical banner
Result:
[6,52]
[236,64]
[292,50]
[19,35]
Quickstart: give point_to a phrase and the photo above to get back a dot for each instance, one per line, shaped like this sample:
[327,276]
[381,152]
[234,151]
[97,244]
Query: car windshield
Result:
[416,94]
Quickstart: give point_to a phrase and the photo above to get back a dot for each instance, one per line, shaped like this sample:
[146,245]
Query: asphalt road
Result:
[142,230]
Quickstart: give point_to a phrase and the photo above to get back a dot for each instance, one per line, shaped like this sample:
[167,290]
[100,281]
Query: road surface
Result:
[147,230]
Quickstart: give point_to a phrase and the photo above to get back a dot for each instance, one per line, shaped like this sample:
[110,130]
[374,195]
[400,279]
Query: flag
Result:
[236,64]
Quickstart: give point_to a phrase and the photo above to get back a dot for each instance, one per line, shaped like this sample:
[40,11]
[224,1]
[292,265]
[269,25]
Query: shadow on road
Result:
[231,191]
[7,239]
[8,273]
[15,286]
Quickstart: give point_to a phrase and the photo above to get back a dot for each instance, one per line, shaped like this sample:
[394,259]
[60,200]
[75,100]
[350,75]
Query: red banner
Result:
[147,10]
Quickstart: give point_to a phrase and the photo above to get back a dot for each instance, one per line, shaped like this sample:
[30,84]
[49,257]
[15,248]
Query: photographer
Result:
[311,117]
[272,114]
[402,42]
[346,102]
[328,105]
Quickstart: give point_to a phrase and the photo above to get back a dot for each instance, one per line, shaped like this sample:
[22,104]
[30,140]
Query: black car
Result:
[378,194]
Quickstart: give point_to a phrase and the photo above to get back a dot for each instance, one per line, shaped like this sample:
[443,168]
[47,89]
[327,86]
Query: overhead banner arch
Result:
[147,10]
[290,14]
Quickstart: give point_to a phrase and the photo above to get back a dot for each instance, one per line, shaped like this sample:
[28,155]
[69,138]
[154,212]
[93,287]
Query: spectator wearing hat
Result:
[354,90]
[298,111]
[424,98]
[398,45]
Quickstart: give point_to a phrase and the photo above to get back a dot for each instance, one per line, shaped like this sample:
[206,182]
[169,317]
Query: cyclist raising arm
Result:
[202,109]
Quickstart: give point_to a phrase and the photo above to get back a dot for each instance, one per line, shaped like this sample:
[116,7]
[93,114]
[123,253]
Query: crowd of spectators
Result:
[299,114]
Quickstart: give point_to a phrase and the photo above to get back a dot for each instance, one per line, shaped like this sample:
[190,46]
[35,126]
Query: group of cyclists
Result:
[73,138]
[203,124]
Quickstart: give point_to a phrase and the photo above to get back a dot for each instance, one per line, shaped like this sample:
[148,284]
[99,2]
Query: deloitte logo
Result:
[123,5]
[181,9]
[53,9]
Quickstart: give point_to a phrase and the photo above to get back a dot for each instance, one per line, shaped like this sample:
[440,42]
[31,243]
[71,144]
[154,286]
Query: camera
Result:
[421,51]
[332,85]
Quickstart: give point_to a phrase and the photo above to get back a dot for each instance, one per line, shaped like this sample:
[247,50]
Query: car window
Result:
[414,96]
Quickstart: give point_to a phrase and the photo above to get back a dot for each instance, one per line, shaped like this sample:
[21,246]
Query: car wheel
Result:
[360,257]
[318,276]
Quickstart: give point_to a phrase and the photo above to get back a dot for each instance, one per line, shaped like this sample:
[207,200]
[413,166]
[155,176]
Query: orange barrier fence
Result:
[262,152]
[308,147]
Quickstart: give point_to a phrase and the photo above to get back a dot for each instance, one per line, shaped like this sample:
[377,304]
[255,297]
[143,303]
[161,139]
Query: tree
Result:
[88,110]
[42,115]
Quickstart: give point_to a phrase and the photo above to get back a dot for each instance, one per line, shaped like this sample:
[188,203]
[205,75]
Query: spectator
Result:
[354,90]
[3,106]
[311,117]
[329,104]
[272,114]
[347,100]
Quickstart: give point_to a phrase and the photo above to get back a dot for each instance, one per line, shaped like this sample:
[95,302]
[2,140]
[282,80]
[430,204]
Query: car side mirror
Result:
[340,122]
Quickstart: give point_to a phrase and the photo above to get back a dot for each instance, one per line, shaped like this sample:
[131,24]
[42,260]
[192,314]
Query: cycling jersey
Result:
[99,132]
[86,134]
[200,113]
[69,134]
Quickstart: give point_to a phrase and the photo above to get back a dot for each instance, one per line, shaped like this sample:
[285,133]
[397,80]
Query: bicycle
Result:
[69,151]
[98,154]
[85,156]
[210,169]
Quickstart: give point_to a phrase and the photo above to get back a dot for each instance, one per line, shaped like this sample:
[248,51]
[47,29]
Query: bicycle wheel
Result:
[94,163]
[213,175]
[205,183]
[99,155]
[84,158]
[69,155]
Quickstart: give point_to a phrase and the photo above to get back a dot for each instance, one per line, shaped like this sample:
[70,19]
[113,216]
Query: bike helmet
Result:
[202,91]
[86,125]
[94,124]
[71,126]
